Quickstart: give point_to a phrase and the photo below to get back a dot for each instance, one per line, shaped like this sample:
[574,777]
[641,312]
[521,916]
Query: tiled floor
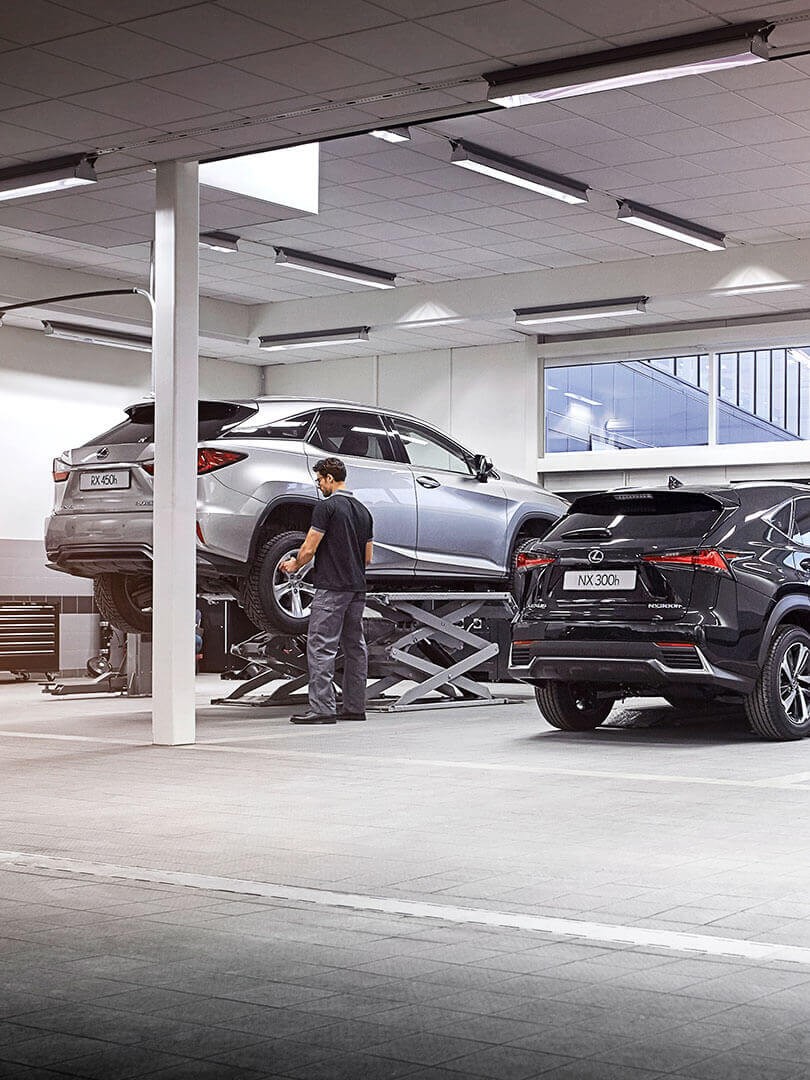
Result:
[694,832]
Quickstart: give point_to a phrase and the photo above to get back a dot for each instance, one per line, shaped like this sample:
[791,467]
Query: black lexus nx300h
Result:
[690,594]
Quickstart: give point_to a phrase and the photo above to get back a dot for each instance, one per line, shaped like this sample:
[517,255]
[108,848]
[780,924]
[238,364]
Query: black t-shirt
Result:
[340,561]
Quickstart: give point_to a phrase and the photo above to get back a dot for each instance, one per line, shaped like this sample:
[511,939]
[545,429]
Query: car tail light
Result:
[526,561]
[709,559]
[208,460]
[60,470]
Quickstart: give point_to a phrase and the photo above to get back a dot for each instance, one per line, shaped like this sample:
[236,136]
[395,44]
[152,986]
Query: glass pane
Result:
[763,381]
[428,450]
[745,392]
[728,377]
[624,405]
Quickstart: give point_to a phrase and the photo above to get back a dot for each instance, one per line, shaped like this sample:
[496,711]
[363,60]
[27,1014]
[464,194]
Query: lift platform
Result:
[420,638]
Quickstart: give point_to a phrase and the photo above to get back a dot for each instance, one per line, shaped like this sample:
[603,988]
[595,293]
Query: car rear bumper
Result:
[633,664]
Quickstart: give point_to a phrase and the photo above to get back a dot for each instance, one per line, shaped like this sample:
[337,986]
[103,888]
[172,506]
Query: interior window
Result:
[345,433]
[428,449]
[801,524]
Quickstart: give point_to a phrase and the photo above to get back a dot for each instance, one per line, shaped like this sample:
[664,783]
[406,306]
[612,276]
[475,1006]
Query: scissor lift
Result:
[412,637]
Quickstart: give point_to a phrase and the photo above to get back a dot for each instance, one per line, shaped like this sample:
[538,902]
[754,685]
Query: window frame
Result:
[372,414]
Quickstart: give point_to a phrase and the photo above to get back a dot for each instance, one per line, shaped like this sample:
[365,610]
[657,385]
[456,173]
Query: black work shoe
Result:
[351,716]
[314,718]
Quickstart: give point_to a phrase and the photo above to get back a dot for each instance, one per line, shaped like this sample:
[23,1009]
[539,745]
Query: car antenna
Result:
[673,482]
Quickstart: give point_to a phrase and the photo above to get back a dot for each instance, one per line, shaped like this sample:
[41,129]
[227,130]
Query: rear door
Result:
[461,522]
[627,556]
[386,486]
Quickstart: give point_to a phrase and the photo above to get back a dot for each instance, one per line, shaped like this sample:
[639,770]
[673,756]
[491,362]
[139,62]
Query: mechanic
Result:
[341,533]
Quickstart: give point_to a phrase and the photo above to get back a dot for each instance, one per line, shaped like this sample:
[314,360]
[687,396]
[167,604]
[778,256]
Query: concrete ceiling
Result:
[151,80]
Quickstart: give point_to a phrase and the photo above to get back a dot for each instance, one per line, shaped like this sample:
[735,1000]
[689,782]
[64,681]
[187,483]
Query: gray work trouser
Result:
[336,621]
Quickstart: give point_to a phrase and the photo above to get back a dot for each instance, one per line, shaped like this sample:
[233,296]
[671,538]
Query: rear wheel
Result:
[272,599]
[778,708]
[572,706]
[125,601]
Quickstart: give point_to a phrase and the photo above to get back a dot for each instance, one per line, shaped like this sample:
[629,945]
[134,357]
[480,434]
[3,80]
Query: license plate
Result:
[599,580]
[113,480]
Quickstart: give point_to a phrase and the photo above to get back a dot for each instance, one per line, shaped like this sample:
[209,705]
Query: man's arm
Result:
[306,552]
[369,551]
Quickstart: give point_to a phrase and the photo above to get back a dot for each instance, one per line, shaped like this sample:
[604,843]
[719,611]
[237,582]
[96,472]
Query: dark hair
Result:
[330,466]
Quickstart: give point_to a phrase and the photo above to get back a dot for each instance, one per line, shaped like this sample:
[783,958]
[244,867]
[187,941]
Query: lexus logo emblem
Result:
[595,556]
[103,452]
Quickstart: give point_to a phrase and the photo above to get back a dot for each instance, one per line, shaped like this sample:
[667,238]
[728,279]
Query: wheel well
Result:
[282,518]
[797,617]
[533,529]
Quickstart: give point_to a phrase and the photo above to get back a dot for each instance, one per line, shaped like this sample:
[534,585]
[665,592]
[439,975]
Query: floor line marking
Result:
[558,927]
[780,783]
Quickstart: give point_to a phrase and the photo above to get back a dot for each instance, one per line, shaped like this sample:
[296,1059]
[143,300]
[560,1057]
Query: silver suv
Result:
[442,515]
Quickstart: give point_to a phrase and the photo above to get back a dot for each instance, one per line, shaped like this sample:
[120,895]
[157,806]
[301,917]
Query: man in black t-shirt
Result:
[341,533]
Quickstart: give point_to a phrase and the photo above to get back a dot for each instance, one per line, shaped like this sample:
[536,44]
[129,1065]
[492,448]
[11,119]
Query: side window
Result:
[428,449]
[346,433]
[801,524]
[780,519]
[258,427]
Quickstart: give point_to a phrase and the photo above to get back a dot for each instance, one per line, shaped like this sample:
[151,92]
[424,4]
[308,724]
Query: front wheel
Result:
[571,706]
[778,708]
[272,599]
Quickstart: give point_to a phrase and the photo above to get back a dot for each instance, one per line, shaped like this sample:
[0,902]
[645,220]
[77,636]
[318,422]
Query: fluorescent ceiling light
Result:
[631,65]
[274,342]
[45,176]
[219,241]
[334,268]
[286,177]
[669,225]
[393,134]
[480,160]
[591,309]
[94,335]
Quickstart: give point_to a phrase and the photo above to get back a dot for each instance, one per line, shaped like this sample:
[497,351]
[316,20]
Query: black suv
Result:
[687,593]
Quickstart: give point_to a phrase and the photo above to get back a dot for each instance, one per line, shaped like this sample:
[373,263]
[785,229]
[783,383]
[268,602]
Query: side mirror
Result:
[482,467]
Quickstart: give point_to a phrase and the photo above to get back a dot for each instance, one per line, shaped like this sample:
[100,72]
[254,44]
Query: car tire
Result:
[273,600]
[125,601]
[571,707]
[778,708]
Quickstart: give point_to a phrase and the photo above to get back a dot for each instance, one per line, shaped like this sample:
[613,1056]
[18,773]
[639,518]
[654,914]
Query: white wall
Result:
[55,395]
[486,397]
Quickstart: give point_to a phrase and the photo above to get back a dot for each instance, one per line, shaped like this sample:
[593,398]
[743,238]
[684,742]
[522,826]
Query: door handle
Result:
[427,482]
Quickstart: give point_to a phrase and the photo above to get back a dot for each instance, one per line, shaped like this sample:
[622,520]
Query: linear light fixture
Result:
[219,241]
[334,268]
[590,309]
[631,65]
[646,217]
[94,335]
[512,171]
[45,176]
[341,336]
[392,134]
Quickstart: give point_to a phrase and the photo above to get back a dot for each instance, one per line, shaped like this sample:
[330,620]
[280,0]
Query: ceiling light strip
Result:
[341,336]
[632,65]
[647,217]
[94,335]
[44,176]
[219,241]
[513,171]
[590,309]
[392,134]
[334,268]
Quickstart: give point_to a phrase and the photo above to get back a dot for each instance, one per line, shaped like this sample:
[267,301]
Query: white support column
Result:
[176,380]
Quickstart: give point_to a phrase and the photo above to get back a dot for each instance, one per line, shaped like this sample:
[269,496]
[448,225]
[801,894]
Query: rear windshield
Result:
[664,515]
[213,418]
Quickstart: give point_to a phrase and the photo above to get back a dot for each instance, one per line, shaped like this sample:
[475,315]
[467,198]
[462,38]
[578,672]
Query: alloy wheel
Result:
[293,592]
[794,683]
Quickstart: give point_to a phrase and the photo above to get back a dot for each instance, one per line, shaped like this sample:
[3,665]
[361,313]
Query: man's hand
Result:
[289,567]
